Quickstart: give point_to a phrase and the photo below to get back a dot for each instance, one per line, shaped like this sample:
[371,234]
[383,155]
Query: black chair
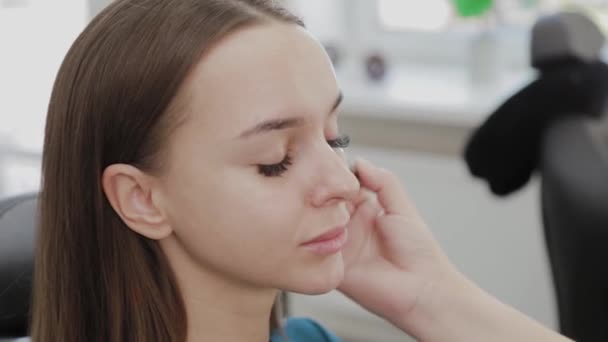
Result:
[18,220]
[574,188]
[565,139]
[574,169]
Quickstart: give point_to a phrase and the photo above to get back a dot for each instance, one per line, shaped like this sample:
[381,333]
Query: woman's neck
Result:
[228,318]
[220,308]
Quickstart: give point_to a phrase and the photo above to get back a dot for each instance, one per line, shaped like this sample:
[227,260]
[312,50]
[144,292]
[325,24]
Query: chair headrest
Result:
[18,221]
[565,35]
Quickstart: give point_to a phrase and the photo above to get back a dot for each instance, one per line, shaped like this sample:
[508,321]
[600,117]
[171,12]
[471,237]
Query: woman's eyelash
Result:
[340,142]
[276,170]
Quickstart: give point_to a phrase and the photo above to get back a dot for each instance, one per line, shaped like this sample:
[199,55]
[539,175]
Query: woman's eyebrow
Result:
[282,123]
[272,125]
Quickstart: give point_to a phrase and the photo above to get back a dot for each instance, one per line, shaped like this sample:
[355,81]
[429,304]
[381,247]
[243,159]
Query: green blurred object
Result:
[472,8]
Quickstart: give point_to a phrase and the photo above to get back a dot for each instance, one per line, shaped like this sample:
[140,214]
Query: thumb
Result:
[391,193]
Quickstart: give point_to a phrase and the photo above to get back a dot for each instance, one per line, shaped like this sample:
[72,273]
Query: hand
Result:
[396,269]
[392,260]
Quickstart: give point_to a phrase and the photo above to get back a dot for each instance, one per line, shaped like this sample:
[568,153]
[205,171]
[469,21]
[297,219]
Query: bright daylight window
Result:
[445,15]
[444,32]
[444,54]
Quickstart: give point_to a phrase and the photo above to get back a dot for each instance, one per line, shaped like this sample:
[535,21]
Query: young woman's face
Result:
[255,171]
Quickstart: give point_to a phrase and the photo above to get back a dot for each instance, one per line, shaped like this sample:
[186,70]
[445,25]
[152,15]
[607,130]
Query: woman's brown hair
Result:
[114,101]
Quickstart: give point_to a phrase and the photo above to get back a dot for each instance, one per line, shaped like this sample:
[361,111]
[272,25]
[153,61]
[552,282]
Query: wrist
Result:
[455,309]
[446,304]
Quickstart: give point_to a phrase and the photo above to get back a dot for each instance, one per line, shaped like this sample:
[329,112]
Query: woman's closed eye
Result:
[340,142]
[276,170]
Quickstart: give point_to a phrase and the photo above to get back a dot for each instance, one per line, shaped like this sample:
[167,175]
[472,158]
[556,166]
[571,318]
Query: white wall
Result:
[95,6]
[33,41]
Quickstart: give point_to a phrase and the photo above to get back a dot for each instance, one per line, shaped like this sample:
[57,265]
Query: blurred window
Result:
[432,31]
[442,15]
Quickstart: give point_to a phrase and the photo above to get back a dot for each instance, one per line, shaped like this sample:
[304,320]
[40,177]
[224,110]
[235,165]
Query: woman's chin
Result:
[320,279]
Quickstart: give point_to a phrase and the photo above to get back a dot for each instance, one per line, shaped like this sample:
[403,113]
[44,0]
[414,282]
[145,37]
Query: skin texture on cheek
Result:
[246,227]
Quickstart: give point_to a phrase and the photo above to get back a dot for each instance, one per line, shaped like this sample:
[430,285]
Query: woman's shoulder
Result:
[302,329]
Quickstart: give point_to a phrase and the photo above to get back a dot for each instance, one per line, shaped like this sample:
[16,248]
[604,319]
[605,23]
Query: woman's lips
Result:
[328,243]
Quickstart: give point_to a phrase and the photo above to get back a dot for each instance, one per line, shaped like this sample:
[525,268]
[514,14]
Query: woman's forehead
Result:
[259,73]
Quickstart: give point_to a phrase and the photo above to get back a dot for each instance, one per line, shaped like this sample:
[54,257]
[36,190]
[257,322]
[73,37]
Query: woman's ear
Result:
[133,195]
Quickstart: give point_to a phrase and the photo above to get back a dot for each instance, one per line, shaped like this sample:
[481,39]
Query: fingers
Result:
[386,185]
[360,227]
[363,196]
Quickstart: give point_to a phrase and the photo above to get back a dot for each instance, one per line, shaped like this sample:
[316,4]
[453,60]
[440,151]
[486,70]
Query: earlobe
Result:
[130,193]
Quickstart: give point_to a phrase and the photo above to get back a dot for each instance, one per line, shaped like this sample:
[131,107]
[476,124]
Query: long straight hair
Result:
[114,101]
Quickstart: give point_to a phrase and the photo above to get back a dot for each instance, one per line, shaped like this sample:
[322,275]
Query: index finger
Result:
[390,191]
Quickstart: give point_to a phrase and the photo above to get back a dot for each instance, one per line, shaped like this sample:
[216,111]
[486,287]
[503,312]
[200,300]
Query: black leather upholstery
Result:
[18,216]
[574,170]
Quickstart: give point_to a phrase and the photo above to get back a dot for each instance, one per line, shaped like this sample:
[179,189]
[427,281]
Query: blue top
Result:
[304,330]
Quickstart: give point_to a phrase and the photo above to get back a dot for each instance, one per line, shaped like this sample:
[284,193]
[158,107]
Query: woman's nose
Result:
[335,181]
